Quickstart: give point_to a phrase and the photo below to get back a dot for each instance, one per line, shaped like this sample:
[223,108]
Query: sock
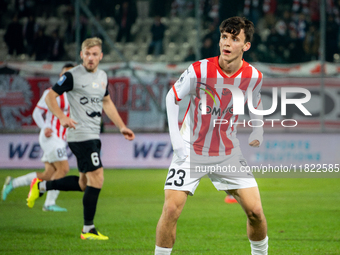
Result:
[87,228]
[42,186]
[259,247]
[162,251]
[51,197]
[68,183]
[90,199]
[24,180]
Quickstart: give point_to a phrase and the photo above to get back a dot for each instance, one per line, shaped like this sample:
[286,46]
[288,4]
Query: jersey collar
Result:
[244,64]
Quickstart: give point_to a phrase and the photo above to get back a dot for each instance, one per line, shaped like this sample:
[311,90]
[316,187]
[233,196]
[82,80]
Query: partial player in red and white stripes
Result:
[52,141]
[50,120]
[207,139]
[200,130]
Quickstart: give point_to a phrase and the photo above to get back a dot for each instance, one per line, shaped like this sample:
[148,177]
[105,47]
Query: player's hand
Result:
[256,138]
[48,132]
[128,133]
[255,143]
[67,122]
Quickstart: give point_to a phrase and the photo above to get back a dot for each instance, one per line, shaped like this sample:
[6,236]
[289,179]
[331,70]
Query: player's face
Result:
[232,47]
[91,58]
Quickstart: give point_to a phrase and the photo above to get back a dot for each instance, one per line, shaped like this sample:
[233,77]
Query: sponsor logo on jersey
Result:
[61,80]
[94,114]
[216,111]
[212,93]
[92,100]
[84,100]
[95,100]
[95,85]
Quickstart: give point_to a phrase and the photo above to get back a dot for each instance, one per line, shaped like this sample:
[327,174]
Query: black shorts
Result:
[87,154]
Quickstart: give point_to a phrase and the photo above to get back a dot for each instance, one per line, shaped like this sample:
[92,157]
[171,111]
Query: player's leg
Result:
[61,169]
[91,181]
[82,181]
[166,227]
[179,183]
[47,174]
[67,183]
[243,187]
[24,180]
[249,199]
[50,148]
[54,153]
[95,180]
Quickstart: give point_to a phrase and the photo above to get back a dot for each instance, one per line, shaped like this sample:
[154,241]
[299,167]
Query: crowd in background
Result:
[287,31]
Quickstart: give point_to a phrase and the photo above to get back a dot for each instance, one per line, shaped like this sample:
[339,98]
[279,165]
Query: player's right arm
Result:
[172,109]
[64,84]
[181,88]
[38,113]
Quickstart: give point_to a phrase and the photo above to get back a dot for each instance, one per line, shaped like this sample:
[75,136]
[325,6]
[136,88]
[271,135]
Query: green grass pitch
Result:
[303,218]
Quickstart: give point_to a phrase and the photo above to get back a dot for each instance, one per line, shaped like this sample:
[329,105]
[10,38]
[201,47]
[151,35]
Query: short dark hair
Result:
[234,25]
[67,65]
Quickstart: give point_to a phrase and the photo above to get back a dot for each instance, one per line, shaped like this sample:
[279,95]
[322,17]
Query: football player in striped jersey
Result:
[53,143]
[204,148]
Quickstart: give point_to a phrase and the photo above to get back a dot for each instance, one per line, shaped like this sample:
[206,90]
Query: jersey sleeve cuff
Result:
[177,98]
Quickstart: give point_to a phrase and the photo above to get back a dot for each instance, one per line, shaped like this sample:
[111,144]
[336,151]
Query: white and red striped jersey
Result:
[198,129]
[52,121]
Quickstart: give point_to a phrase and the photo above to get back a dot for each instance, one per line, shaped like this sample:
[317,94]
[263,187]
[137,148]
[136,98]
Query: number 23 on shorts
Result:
[175,177]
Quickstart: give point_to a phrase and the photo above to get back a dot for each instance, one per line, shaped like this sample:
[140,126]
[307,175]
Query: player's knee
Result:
[46,176]
[171,211]
[96,181]
[82,185]
[101,182]
[63,171]
[255,215]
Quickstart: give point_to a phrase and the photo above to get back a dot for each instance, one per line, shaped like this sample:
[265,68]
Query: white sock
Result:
[51,197]
[42,186]
[87,228]
[162,251]
[23,180]
[259,247]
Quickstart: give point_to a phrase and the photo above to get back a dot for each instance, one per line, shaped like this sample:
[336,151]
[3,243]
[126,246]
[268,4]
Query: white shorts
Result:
[225,172]
[54,148]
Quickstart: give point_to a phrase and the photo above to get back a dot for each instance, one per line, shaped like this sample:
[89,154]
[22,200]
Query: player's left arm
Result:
[111,111]
[256,137]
